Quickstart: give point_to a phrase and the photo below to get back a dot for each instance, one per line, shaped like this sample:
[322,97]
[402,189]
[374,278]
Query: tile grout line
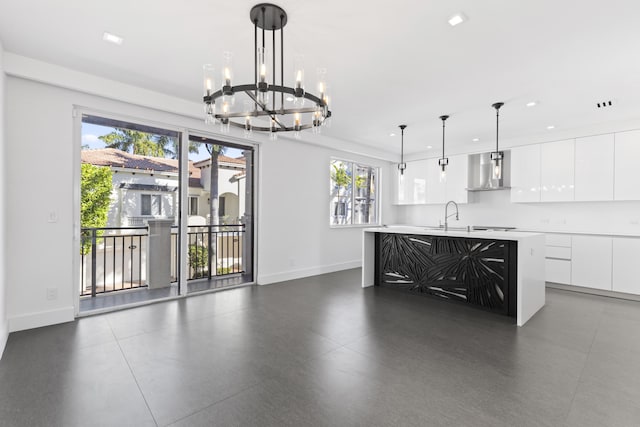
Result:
[216,402]
[584,365]
[132,374]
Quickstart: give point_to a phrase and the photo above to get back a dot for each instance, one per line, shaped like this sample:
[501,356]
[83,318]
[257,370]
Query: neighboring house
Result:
[231,187]
[146,187]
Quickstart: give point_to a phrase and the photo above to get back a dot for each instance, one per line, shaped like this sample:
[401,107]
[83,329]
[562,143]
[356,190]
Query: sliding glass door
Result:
[154,224]
[220,223]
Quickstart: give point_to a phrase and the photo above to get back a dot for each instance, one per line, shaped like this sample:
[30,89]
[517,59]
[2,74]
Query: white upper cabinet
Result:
[453,186]
[422,184]
[557,171]
[594,168]
[411,187]
[436,187]
[525,174]
[457,179]
[627,166]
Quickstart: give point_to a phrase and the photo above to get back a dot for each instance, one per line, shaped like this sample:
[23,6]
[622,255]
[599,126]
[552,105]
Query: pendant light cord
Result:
[497,126]
[497,106]
[401,144]
[443,118]
[443,138]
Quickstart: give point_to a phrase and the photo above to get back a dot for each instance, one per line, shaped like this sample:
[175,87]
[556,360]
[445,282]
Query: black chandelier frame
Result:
[269,17]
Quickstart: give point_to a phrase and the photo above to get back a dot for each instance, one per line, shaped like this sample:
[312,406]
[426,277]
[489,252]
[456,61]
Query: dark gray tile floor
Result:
[322,351]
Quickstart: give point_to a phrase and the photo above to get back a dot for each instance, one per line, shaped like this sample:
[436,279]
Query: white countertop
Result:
[426,231]
[582,233]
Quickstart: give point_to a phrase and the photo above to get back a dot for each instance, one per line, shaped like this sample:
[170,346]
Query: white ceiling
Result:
[387,65]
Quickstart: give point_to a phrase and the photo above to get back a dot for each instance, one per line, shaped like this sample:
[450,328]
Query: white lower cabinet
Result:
[591,258]
[558,271]
[626,253]
[558,258]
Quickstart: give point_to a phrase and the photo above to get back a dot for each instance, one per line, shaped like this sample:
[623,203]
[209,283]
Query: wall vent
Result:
[604,104]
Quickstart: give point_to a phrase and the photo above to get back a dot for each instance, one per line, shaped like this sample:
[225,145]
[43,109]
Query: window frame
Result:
[151,199]
[197,205]
[353,164]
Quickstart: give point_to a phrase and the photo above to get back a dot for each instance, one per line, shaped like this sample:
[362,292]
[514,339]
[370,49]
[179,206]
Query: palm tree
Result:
[214,218]
[170,145]
[134,141]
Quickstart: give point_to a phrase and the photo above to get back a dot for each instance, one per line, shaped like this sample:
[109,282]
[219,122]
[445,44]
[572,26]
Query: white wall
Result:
[4,328]
[44,158]
[494,208]
[294,234]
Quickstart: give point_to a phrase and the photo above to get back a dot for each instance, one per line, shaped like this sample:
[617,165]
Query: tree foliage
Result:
[145,144]
[95,197]
[340,176]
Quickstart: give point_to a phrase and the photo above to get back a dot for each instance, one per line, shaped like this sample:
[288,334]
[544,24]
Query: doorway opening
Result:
[132,227]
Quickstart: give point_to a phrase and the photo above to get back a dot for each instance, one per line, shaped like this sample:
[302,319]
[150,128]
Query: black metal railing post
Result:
[93,262]
[209,250]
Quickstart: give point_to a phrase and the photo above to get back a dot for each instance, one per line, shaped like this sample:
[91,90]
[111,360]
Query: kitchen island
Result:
[499,271]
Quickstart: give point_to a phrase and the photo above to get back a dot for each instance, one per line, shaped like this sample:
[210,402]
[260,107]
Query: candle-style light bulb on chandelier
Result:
[402,165]
[497,156]
[266,99]
[443,161]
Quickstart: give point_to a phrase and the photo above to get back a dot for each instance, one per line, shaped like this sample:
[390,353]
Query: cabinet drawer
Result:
[558,252]
[558,240]
[558,271]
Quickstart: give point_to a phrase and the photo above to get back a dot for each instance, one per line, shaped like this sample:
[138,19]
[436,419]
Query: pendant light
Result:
[402,165]
[497,156]
[444,161]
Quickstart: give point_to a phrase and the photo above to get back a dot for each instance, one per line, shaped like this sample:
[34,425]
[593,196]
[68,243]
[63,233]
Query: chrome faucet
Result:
[446,217]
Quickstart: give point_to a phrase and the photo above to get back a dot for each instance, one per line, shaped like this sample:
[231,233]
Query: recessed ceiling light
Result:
[551,127]
[456,19]
[289,98]
[429,147]
[532,104]
[476,139]
[392,134]
[112,38]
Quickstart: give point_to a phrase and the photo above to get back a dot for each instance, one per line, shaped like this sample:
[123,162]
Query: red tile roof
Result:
[221,158]
[117,158]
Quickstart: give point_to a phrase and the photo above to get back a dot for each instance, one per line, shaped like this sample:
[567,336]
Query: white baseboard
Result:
[42,318]
[4,334]
[267,279]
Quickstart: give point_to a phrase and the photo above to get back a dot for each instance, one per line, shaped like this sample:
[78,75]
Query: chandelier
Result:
[263,107]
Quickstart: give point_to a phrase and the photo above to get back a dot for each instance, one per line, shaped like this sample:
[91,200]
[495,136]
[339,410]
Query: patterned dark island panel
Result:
[479,272]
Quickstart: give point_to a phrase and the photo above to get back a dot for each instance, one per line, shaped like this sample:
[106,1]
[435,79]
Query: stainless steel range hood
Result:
[480,173]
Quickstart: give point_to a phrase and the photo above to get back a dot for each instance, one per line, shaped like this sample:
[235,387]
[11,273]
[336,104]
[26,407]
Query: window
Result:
[193,205]
[352,188]
[221,206]
[151,204]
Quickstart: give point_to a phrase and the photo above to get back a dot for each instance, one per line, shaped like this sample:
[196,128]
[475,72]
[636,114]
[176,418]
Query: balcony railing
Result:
[115,258]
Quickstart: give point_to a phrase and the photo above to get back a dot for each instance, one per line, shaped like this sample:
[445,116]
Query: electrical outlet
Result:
[545,221]
[52,294]
[53,216]
[292,262]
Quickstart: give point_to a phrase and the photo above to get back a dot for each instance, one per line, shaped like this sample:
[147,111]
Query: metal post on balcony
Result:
[93,262]
[209,245]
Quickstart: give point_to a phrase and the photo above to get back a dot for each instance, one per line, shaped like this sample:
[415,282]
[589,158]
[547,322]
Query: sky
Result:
[91,132]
